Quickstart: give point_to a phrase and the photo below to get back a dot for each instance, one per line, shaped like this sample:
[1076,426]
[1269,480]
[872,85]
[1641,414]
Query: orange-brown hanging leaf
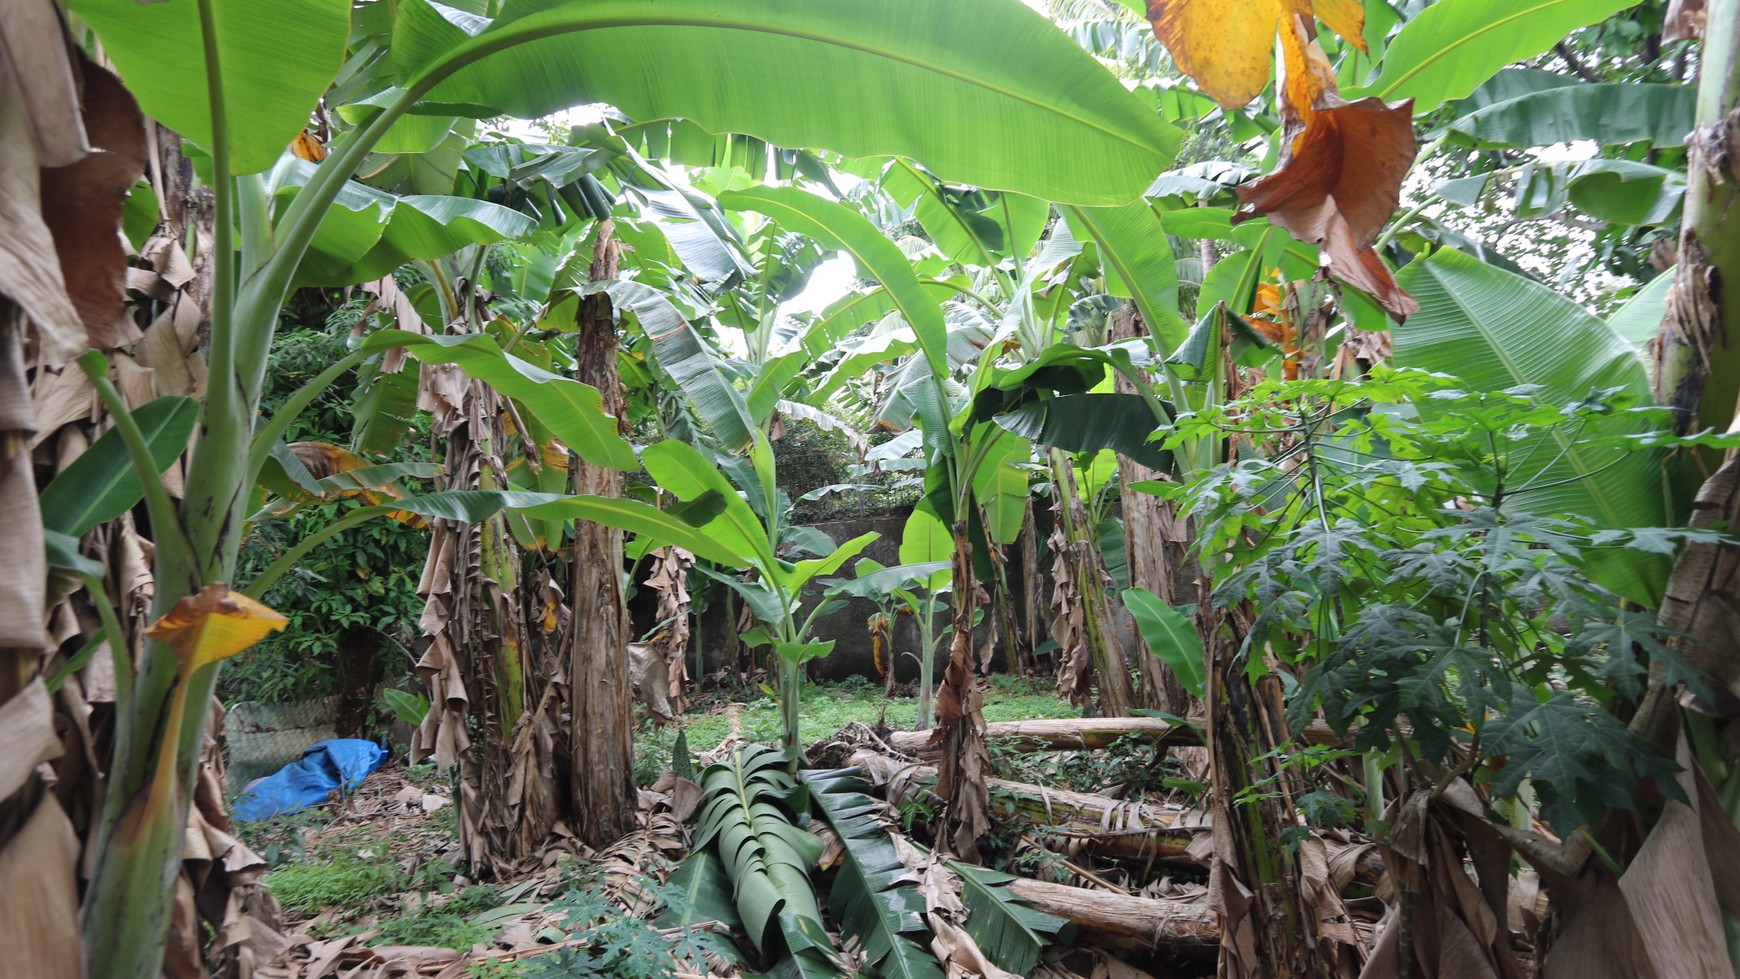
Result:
[213,625]
[1228,46]
[1273,317]
[1267,318]
[308,147]
[324,461]
[1341,171]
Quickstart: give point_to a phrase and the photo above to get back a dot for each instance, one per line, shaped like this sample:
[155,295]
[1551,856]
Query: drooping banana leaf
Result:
[1607,114]
[1089,423]
[1495,331]
[1007,928]
[705,893]
[368,232]
[158,52]
[689,360]
[573,411]
[746,817]
[1171,635]
[870,900]
[1639,320]
[1454,46]
[385,412]
[1138,263]
[693,224]
[837,76]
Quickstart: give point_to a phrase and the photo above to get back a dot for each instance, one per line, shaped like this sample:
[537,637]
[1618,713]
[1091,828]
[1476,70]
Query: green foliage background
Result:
[363,580]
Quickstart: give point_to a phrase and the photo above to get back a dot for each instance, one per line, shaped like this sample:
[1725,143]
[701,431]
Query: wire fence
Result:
[262,738]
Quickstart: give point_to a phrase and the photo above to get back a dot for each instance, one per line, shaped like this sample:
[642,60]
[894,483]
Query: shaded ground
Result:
[370,886]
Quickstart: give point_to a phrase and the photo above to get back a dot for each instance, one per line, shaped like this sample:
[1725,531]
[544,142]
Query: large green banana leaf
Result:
[1089,423]
[1171,635]
[1495,331]
[1009,931]
[275,58]
[843,76]
[971,228]
[1621,191]
[369,232]
[1137,260]
[1607,114]
[1639,320]
[1453,46]
[475,506]
[568,408]
[682,470]
[744,817]
[872,900]
[840,227]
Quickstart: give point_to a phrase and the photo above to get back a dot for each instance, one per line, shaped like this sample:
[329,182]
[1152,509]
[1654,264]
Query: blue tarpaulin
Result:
[334,764]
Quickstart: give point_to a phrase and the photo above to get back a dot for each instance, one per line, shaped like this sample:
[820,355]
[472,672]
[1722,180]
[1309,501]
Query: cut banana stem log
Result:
[1094,823]
[1075,822]
[1083,734]
[1123,921]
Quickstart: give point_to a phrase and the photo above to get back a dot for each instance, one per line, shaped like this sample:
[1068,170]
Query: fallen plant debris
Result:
[1126,880]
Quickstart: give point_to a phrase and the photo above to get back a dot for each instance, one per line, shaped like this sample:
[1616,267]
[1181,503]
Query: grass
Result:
[829,707]
[349,880]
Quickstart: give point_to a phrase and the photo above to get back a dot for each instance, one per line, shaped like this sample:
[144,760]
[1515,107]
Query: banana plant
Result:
[915,586]
[750,530]
[801,76]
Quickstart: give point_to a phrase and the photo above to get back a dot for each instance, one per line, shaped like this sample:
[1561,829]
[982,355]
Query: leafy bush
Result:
[449,924]
[1391,567]
[358,589]
[623,946]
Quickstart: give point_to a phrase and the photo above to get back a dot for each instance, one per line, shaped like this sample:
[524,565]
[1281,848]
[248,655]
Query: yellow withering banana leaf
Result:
[215,624]
[308,147]
[1228,46]
[1341,171]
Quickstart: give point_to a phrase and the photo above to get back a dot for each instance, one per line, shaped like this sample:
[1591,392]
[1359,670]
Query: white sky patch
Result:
[836,276]
[1583,149]
[580,115]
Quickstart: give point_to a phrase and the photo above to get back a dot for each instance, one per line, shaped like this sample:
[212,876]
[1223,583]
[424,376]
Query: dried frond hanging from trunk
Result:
[1278,917]
[1085,628]
[960,723]
[1075,664]
[881,628]
[1158,544]
[487,670]
[669,578]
